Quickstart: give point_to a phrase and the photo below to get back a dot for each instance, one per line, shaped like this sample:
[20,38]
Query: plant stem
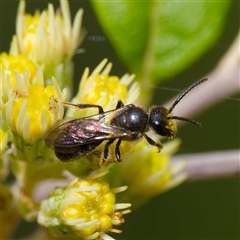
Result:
[211,165]
[223,82]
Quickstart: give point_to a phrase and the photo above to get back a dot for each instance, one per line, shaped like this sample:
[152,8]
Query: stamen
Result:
[119,206]
[38,79]
[26,128]
[126,212]
[19,126]
[133,93]
[20,23]
[84,189]
[98,174]
[26,81]
[66,17]
[9,106]
[57,89]
[82,226]
[152,179]
[72,201]
[107,69]
[93,236]
[59,34]
[83,83]
[99,68]
[127,79]
[177,180]
[51,28]
[43,120]
[117,222]
[40,35]
[19,82]
[119,189]
[14,46]
[73,222]
[76,29]
[114,230]
[64,94]
[106,237]
[177,167]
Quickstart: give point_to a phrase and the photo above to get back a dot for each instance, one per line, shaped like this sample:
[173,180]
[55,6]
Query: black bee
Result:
[76,138]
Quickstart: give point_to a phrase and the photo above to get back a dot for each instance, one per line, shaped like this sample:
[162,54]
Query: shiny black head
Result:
[160,123]
[161,119]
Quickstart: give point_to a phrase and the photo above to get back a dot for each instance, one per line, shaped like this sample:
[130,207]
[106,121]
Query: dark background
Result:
[203,210]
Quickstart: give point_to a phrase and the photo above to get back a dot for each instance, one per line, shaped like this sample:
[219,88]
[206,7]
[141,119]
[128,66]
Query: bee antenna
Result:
[186,120]
[185,93]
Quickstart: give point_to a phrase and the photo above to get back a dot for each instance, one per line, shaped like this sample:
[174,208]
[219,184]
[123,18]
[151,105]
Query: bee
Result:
[73,139]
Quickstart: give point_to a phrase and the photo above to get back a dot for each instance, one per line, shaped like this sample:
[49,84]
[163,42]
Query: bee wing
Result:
[82,131]
[107,116]
[59,129]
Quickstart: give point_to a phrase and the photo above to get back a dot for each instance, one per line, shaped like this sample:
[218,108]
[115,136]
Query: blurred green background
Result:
[202,210]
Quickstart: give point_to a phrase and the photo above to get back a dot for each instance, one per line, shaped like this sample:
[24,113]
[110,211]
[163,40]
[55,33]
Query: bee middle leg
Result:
[117,151]
[152,142]
[106,149]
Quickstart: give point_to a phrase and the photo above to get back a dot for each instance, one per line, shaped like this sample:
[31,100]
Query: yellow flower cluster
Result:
[103,89]
[9,65]
[146,172]
[32,101]
[28,107]
[49,36]
[87,209]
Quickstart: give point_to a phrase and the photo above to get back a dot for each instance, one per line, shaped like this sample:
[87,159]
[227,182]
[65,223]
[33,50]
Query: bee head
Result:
[160,120]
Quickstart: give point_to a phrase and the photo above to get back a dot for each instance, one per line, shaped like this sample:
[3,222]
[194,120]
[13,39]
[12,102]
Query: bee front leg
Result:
[119,104]
[152,142]
[83,105]
[117,151]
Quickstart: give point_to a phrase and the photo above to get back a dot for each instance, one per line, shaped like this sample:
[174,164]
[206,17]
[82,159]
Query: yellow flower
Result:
[9,65]
[147,172]
[30,109]
[48,37]
[49,40]
[105,90]
[4,163]
[84,209]
[4,136]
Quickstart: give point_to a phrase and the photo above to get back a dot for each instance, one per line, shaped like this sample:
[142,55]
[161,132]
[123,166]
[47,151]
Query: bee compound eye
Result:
[158,121]
[160,128]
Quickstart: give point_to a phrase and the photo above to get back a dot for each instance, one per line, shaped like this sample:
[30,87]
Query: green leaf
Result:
[158,39]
